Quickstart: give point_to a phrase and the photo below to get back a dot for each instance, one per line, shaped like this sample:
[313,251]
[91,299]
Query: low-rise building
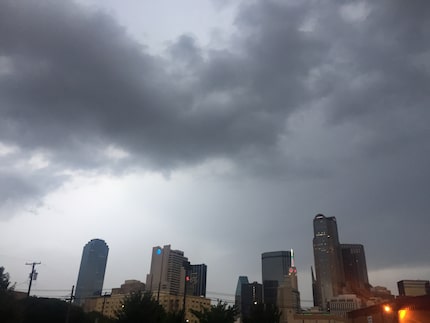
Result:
[175,303]
[401,310]
[413,287]
[342,304]
[109,304]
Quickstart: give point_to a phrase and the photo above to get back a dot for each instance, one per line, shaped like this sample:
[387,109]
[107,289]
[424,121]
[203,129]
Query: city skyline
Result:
[219,127]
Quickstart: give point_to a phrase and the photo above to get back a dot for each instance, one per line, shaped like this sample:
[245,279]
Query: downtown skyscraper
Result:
[288,299]
[354,267]
[198,274]
[330,278]
[274,267]
[92,270]
[167,273]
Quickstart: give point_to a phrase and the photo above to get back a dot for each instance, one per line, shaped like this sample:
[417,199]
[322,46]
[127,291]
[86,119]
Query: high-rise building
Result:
[275,266]
[167,273]
[251,295]
[355,268]
[92,270]
[198,275]
[243,280]
[328,260]
[288,299]
[413,287]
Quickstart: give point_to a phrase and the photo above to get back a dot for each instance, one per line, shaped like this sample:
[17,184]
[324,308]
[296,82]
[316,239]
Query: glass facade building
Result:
[198,275]
[92,270]
[274,266]
[354,266]
[328,260]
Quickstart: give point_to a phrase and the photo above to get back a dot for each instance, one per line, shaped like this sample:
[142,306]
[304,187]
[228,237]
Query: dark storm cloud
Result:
[74,78]
[329,97]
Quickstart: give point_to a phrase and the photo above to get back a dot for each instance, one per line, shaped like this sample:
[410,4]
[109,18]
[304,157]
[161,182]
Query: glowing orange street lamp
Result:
[387,309]
[402,313]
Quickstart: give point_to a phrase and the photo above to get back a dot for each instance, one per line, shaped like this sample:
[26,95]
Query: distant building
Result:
[378,295]
[251,294]
[275,266]
[315,289]
[108,305]
[129,286]
[198,275]
[167,273]
[174,303]
[413,287]
[403,309]
[342,304]
[318,318]
[92,270]
[288,298]
[330,277]
[243,280]
[354,266]
[315,315]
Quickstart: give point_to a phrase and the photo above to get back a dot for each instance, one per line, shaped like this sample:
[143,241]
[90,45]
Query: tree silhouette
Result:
[175,317]
[9,311]
[4,281]
[220,313]
[140,307]
[267,313]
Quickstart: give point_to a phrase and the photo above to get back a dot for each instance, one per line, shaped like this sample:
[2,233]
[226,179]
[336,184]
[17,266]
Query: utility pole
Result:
[104,302]
[70,305]
[33,274]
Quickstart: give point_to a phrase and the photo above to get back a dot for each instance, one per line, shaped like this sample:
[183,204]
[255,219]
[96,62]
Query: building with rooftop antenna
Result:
[288,295]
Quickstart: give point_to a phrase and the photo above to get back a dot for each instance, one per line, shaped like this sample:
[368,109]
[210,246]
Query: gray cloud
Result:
[325,101]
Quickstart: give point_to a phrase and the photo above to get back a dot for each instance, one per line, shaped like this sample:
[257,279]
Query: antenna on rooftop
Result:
[292,258]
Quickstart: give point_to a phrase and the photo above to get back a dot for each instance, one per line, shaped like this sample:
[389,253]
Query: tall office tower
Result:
[251,294]
[354,267]
[167,274]
[92,270]
[198,275]
[274,267]
[413,287]
[243,280]
[288,298]
[328,259]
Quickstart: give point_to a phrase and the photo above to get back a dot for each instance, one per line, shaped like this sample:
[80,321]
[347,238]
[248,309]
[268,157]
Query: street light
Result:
[387,309]
[402,313]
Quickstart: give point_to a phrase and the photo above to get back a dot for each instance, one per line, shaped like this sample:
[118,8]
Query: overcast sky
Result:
[219,127]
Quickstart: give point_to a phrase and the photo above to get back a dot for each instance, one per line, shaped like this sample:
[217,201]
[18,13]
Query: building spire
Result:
[292,258]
